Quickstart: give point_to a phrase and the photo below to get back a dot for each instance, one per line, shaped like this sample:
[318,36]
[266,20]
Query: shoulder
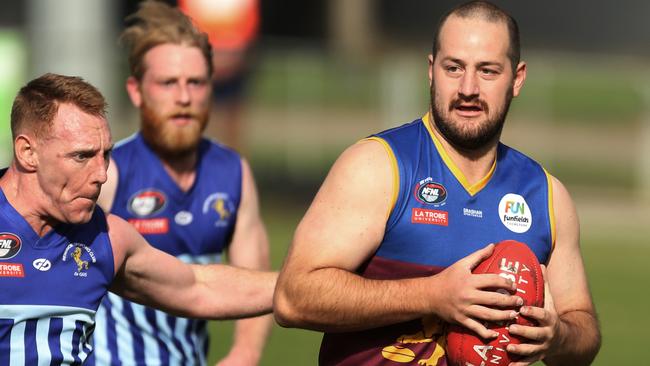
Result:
[127,145]
[410,128]
[212,148]
[363,169]
[562,202]
[123,236]
[510,154]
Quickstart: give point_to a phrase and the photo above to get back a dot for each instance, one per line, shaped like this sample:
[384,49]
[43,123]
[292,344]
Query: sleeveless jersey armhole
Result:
[551,210]
[394,170]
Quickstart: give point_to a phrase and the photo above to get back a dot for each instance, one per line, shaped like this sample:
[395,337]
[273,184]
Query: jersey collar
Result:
[472,189]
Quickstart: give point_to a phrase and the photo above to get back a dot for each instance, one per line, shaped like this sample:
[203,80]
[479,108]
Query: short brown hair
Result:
[491,13]
[157,23]
[37,103]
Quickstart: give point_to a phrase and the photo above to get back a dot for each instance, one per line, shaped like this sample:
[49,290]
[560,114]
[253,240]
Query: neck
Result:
[474,164]
[19,192]
[182,169]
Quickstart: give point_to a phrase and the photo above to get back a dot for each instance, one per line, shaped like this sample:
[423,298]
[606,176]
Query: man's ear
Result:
[520,77]
[431,61]
[25,151]
[133,89]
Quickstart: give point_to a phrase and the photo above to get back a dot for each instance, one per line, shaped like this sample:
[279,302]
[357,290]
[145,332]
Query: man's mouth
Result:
[182,118]
[469,109]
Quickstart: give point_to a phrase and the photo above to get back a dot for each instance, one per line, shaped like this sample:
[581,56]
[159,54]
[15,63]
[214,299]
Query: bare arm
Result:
[568,332]
[318,288]
[249,249]
[151,277]
[107,195]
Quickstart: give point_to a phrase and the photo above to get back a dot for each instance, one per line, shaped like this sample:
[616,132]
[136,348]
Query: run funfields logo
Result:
[515,213]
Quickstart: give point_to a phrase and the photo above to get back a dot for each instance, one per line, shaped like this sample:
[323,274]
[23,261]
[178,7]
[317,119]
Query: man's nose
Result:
[183,94]
[469,85]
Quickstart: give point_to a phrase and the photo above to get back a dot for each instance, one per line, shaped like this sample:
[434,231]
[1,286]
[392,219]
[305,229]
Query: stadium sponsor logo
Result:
[431,217]
[473,213]
[183,218]
[81,256]
[147,202]
[151,226]
[429,192]
[10,245]
[12,270]
[220,203]
[515,213]
[42,264]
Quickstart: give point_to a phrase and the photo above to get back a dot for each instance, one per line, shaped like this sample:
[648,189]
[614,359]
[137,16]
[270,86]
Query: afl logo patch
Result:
[431,193]
[147,202]
[10,245]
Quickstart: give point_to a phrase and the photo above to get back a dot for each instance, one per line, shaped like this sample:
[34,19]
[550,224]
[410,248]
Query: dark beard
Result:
[486,134]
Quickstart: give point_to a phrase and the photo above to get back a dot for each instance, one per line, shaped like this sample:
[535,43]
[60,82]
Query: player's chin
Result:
[80,215]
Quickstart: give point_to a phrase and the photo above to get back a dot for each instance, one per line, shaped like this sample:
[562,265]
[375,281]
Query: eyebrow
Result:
[480,64]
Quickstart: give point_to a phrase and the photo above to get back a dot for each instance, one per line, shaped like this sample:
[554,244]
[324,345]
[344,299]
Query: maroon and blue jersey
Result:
[50,288]
[437,218]
[195,226]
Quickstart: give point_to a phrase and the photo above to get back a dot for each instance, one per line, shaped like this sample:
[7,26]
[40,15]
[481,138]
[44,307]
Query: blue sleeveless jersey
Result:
[436,219]
[194,226]
[50,288]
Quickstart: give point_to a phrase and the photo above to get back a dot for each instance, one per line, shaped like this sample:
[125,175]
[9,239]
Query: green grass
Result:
[615,262]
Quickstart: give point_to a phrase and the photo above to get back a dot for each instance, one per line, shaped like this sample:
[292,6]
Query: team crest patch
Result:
[515,213]
[10,245]
[147,202]
[429,192]
[220,203]
[81,256]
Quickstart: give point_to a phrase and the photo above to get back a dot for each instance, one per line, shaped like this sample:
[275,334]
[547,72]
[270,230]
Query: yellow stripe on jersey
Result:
[472,189]
[395,170]
[551,210]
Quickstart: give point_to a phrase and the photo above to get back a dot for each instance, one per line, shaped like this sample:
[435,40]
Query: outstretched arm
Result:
[568,332]
[318,287]
[151,277]
[249,249]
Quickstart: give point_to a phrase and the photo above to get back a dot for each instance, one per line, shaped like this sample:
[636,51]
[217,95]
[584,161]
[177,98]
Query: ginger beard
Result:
[169,139]
[469,135]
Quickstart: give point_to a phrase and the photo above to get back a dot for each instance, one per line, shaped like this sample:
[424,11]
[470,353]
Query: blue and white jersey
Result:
[50,288]
[195,226]
[437,218]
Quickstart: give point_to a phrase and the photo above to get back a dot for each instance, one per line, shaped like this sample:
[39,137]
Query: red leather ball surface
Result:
[510,259]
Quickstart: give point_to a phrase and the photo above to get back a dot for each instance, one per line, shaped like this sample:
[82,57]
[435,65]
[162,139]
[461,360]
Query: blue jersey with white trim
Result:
[195,226]
[437,218]
[50,288]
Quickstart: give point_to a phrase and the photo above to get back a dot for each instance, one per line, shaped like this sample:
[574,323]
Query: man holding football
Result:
[383,259]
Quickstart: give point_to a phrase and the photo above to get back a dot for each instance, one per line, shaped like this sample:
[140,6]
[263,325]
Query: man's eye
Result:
[82,157]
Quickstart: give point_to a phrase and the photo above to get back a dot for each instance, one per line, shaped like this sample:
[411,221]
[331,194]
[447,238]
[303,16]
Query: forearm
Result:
[578,340]
[227,292]
[331,299]
[250,338]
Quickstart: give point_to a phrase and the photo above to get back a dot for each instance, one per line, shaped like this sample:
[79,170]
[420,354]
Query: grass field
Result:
[615,262]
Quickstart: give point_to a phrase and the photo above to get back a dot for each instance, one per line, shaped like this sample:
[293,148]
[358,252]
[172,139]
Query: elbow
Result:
[285,309]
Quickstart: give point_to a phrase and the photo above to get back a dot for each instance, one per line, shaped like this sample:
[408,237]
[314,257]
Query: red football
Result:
[510,259]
